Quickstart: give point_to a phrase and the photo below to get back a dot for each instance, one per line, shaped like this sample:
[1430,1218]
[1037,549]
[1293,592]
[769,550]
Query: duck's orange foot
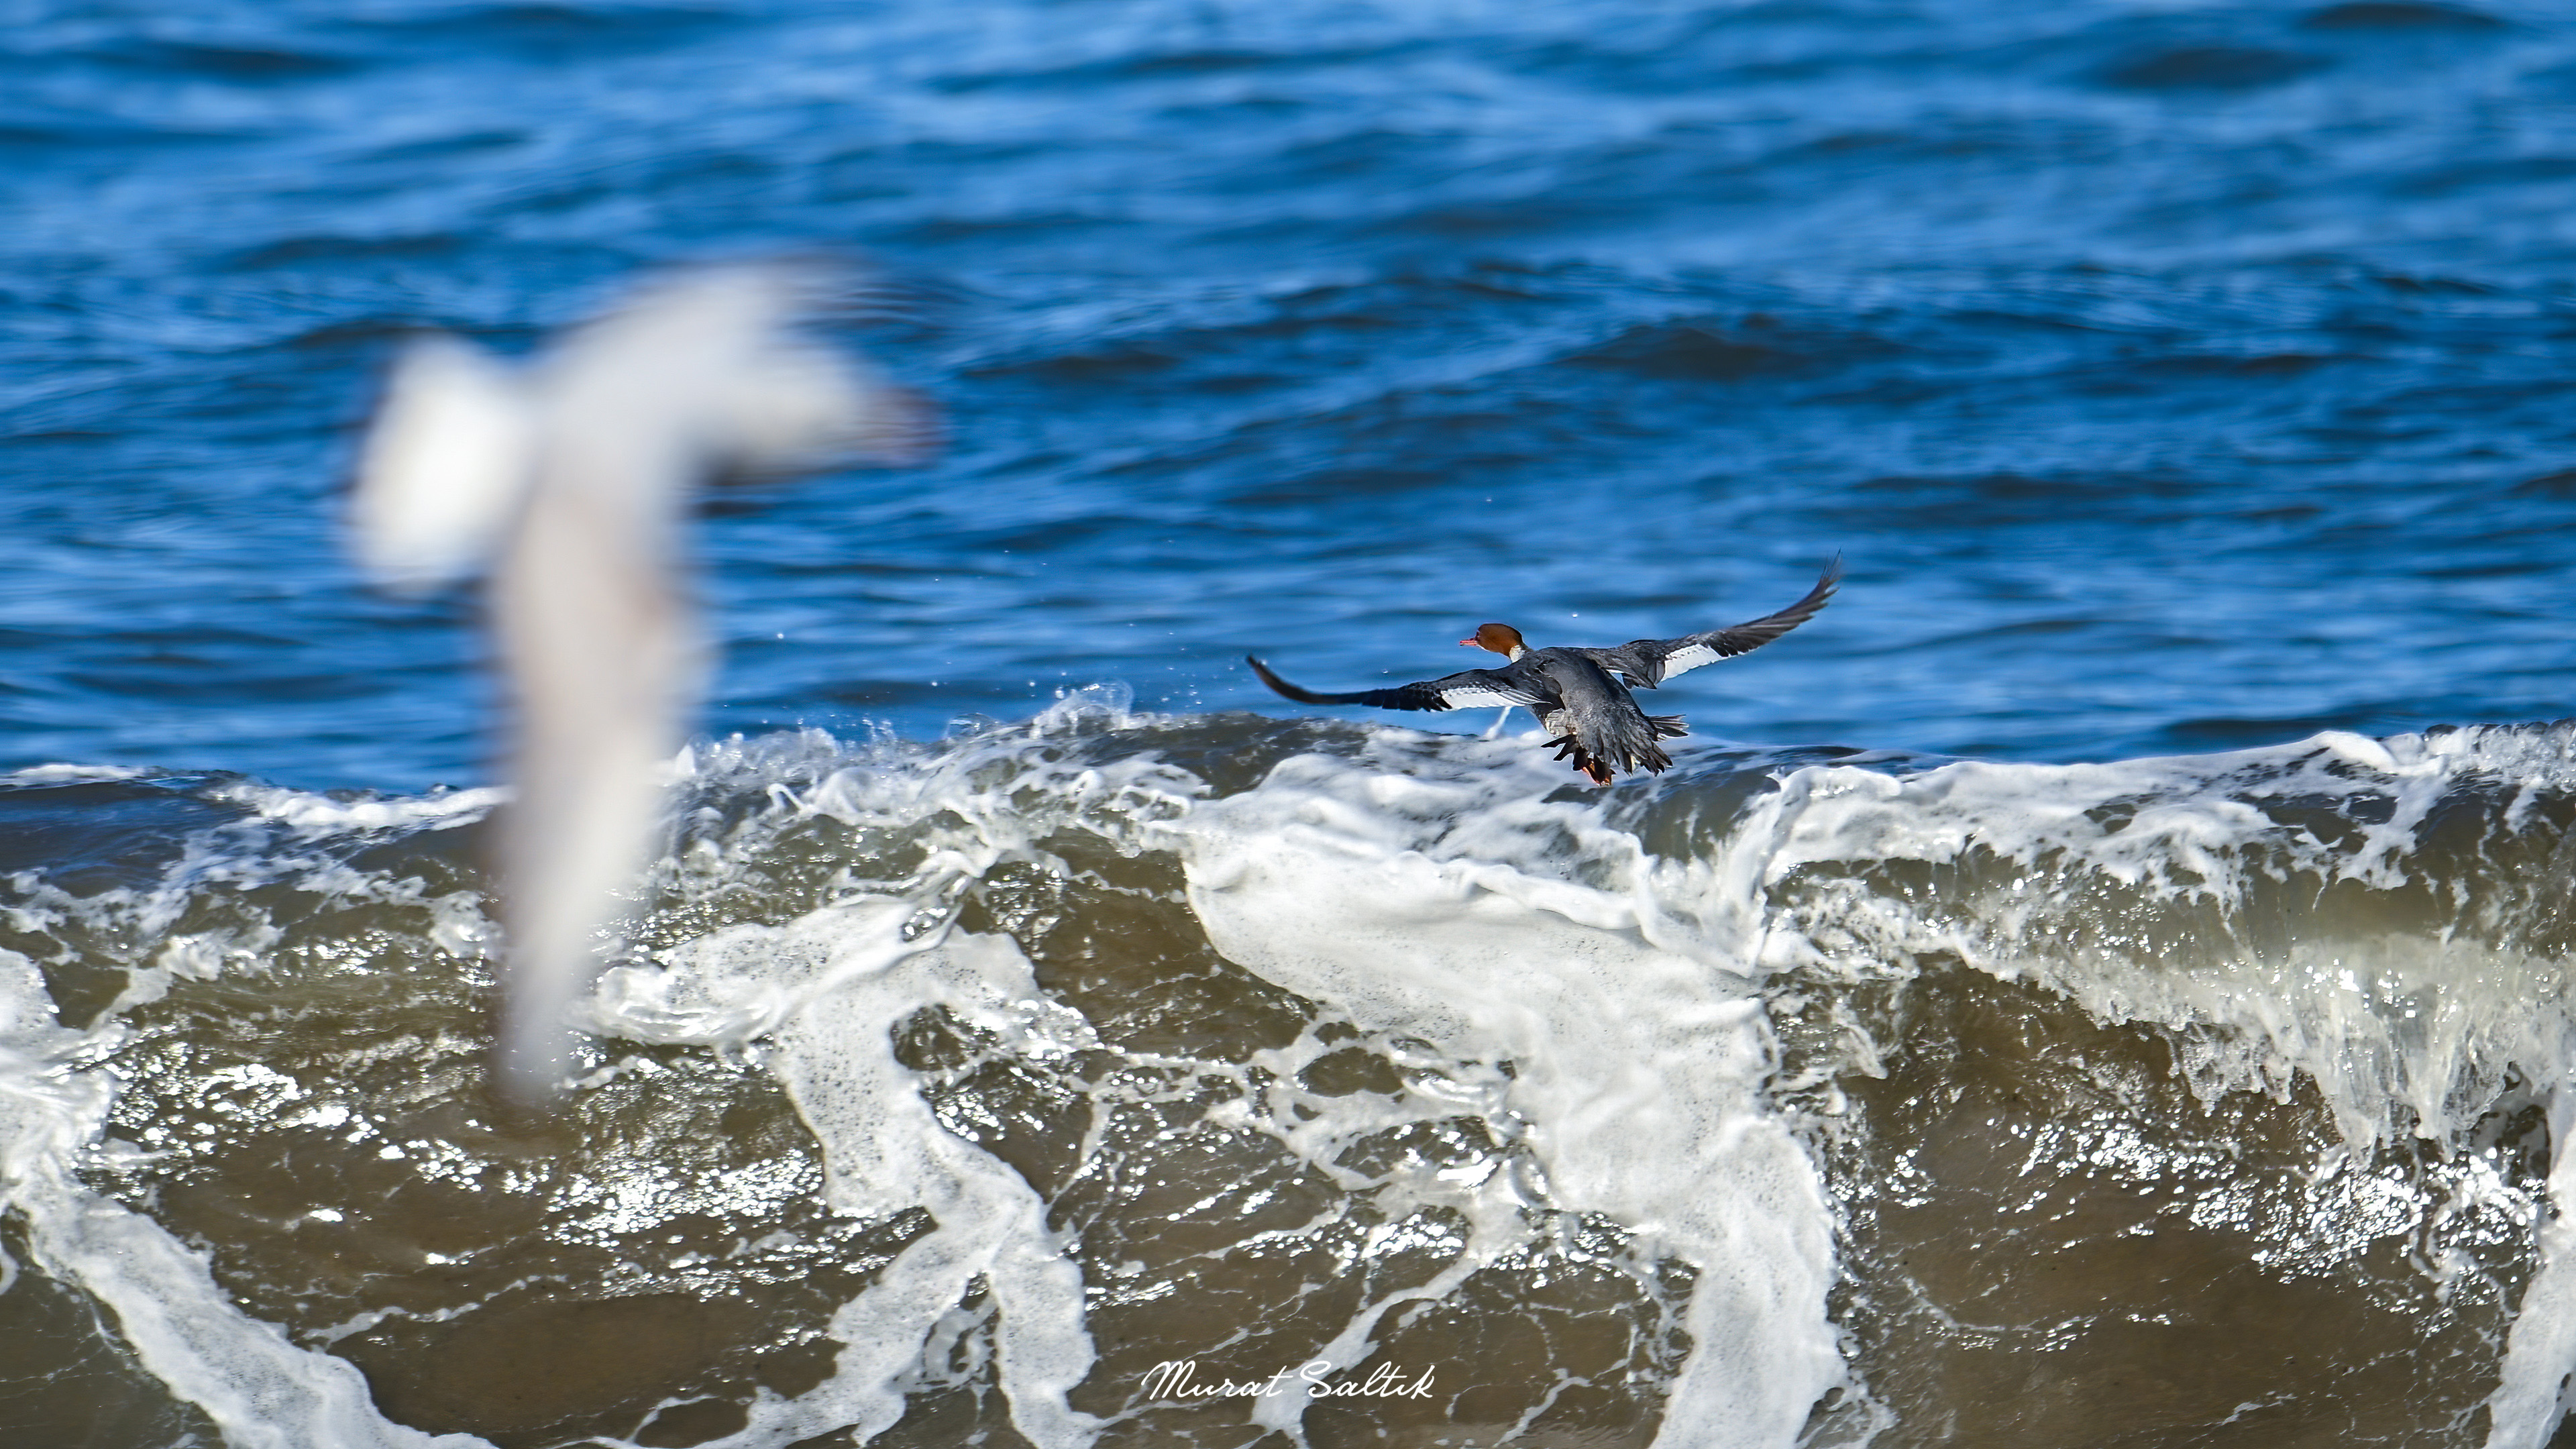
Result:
[1568,747]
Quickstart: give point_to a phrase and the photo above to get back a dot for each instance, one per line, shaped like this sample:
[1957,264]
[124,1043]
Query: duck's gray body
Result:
[1595,719]
[1582,696]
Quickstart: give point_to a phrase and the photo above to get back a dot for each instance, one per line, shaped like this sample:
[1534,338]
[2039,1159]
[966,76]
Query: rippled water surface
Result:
[2171,377]
[2120,1001]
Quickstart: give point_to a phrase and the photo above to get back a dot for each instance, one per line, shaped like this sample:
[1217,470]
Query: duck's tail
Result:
[1629,754]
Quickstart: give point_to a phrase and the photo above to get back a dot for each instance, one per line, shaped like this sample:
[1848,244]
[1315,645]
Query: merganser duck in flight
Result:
[1581,695]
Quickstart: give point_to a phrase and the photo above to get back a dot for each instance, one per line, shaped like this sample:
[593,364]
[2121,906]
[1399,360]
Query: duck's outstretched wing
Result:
[1649,662]
[1469,689]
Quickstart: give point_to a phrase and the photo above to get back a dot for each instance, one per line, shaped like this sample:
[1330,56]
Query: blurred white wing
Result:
[445,467]
[800,406]
[710,363]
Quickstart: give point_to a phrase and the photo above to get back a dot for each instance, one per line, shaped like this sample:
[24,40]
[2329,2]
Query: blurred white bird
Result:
[567,480]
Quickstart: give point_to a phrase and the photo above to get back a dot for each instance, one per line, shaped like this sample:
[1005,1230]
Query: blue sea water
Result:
[2098,982]
[2171,377]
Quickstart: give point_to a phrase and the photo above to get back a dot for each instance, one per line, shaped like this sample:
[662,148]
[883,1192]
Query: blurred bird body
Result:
[568,483]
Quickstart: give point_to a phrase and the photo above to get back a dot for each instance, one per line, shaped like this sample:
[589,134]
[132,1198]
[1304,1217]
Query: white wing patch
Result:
[1683,661]
[1484,696]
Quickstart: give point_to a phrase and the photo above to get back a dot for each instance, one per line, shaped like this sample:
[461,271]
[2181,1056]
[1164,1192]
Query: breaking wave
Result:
[1786,1097]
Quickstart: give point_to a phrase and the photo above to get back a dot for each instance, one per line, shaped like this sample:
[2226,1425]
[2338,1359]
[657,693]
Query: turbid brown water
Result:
[2070,1194]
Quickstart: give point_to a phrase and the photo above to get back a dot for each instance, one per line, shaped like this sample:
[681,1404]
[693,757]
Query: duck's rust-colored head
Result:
[1502,639]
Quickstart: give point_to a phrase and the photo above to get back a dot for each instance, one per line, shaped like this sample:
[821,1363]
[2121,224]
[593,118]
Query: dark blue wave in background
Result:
[2171,378]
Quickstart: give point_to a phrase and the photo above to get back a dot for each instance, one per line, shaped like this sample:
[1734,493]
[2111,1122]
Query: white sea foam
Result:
[62,774]
[319,814]
[1437,895]
[825,993]
[2526,1407]
[2193,892]
[55,1092]
[1636,1071]
[264,1392]
[2404,1021]
[1430,888]
[1442,896]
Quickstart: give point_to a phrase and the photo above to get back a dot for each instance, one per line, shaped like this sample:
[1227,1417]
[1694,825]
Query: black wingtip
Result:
[1280,686]
[1827,584]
